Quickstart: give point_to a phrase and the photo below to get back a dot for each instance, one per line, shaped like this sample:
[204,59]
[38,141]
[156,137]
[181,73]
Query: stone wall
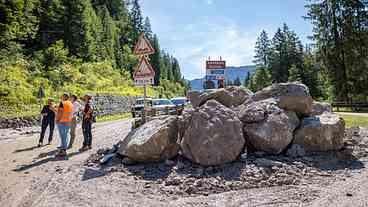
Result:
[109,105]
[19,122]
[104,105]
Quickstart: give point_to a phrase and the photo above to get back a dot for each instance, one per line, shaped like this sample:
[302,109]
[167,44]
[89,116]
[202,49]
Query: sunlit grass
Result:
[355,121]
[114,117]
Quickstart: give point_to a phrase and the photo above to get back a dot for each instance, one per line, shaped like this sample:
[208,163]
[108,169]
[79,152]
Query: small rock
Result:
[169,162]
[128,161]
[263,162]
[296,151]
[349,194]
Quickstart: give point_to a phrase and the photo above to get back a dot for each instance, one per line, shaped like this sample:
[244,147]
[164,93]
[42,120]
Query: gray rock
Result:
[258,111]
[154,141]
[290,96]
[321,133]
[275,132]
[296,151]
[238,95]
[214,135]
[319,108]
[229,97]
[263,162]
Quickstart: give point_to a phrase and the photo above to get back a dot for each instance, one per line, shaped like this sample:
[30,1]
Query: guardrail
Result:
[359,106]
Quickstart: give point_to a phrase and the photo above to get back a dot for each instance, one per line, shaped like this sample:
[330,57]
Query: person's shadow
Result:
[49,156]
[26,149]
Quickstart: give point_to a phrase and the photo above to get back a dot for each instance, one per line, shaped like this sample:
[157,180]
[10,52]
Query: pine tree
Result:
[82,29]
[147,29]
[262,50]
[260,79]
[136,19]
[341,33]
[237,81]
[294,74]
[247,79]
[155,59]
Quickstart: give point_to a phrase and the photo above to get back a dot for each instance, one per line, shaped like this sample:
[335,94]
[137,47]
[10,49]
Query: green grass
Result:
[21,111]
[114,117]
[354,121]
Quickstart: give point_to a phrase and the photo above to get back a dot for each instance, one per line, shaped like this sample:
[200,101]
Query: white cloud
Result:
[228,40]
[209,2]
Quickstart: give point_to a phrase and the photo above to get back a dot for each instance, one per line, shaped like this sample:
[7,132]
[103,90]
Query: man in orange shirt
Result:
[64,121]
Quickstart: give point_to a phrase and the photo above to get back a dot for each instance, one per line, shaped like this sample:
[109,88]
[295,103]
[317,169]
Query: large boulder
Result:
[154,141]
[290,96]
[229,97]
[213,135]
[238,95]
[319,108]
[321,133]
[267,127]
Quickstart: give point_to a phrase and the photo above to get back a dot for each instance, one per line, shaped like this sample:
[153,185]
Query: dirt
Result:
[31,176]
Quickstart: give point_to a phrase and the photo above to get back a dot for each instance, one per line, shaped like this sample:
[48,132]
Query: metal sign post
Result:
[144,73]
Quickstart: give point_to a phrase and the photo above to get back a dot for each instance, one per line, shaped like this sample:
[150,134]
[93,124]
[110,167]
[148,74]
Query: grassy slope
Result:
[354,121]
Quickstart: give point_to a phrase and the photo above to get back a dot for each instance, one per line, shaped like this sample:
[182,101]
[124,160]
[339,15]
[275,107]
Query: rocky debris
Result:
[229,97]
[295,151]
[268,128]
[356,139]
[154,141]
[319,108]
[290,96]
[19,122]
[321,133]
[214,135]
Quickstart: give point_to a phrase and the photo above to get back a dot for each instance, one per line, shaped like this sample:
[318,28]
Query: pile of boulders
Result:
[19,122]
[226,123]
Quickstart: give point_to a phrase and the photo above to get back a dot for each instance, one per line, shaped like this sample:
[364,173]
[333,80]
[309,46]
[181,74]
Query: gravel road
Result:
[31,176]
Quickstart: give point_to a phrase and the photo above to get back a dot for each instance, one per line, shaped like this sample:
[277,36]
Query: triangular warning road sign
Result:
[144,69]
[143,46]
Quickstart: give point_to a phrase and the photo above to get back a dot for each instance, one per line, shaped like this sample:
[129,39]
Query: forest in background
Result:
[334,67]
[76,46]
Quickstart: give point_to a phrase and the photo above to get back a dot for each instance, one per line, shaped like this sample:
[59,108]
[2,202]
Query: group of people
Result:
[66,117]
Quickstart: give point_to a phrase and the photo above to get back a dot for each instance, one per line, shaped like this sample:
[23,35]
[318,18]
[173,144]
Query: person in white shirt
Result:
[76,109]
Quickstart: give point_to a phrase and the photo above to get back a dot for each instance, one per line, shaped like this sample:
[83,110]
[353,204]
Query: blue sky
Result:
[192,30]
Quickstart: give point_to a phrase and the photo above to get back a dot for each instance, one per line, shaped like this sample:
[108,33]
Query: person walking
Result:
[76,108]
[48,120]
[63,120]
[87,123]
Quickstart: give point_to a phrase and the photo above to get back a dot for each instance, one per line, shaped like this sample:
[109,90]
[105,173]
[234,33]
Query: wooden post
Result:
[144,104]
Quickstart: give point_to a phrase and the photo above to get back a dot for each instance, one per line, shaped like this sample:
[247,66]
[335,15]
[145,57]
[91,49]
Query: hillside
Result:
[77,47]
[232,73]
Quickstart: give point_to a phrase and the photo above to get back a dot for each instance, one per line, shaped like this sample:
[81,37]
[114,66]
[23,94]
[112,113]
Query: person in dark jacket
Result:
[48,119]
[87,123]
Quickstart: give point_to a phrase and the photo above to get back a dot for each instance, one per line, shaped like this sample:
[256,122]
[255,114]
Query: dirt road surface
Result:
[31,176]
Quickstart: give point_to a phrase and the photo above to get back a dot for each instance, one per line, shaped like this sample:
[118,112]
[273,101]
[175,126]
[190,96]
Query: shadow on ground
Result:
[44,158]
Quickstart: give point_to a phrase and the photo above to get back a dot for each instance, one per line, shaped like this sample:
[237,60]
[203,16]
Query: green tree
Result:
[147,29]
[155,59]
[262,50]
[237,81]
[260,79]
[136,19]
[247,79]
[341,35]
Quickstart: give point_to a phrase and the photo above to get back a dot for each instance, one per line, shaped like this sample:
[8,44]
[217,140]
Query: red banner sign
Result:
[215,64]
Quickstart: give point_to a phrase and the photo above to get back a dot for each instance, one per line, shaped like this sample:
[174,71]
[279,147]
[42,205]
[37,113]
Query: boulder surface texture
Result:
[213,135]
[154,141]
[321,133]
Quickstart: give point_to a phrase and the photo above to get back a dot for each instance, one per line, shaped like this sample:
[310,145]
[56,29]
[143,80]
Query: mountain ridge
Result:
[231,73]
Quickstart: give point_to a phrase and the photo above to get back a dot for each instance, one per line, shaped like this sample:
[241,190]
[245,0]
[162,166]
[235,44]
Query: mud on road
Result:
[31,176]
